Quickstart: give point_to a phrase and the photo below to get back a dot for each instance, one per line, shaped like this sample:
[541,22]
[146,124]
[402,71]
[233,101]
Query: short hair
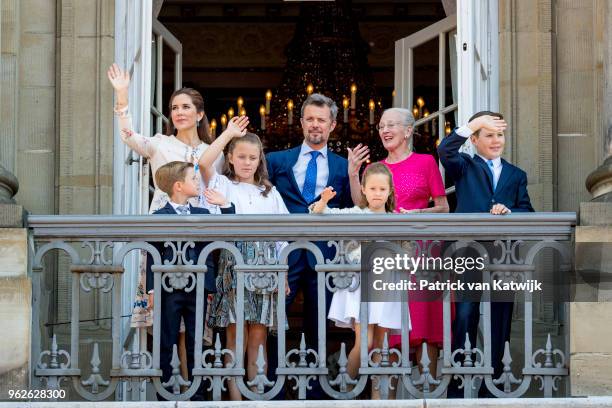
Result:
[321,101]
[170,173]
[484,113]
[405,114]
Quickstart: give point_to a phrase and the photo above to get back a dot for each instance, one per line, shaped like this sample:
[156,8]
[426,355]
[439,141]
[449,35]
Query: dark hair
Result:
[321,101]
[379,168]
[198,102]
[261,174]
[485,113]
[170,173]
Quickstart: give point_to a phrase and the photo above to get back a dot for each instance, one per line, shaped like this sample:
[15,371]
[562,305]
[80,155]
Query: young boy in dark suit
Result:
[483,183]
[177,179]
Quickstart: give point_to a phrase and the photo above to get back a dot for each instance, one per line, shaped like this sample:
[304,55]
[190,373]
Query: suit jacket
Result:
[192,253]
[473,180]
[280,170]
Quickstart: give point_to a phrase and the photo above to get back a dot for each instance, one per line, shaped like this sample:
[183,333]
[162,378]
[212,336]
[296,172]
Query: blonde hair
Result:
[379,168]
[170,173]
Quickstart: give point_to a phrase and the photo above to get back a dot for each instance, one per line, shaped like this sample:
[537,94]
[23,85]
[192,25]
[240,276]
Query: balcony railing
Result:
[97,248]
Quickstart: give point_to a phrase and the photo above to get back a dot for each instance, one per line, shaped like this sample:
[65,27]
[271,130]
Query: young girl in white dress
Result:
[244,183]
[377,196]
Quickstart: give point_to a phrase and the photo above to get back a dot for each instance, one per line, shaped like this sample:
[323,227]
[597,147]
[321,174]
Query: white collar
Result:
[305,149]
[175,205]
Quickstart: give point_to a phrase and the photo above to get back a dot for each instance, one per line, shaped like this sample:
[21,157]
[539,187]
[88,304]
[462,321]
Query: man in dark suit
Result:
[483,183]
[300,174]
[177,179]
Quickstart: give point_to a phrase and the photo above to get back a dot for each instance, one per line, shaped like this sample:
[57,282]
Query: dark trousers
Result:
[467,315]
[175,305]
[302,276]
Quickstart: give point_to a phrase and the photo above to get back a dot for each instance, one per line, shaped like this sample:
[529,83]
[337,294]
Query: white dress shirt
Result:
[299,170]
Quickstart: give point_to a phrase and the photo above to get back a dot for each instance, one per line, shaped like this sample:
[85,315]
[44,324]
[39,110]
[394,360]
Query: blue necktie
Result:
[182,209]
[310,181]
[493,182]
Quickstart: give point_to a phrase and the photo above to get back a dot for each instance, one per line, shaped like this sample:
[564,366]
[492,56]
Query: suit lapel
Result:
[485,168]
[505,175]
[168,209]
[292,158]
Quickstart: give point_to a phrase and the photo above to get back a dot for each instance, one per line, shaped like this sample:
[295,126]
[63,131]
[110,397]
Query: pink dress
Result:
[417,179]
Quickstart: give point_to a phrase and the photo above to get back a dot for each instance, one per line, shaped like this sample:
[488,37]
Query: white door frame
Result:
[478,57]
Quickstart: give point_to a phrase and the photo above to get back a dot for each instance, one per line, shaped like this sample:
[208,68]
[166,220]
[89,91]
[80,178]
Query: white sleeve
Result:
[327,210]
[220,183]
[279,203]
[218,164]
[281,208]
[464,131]
[144,146]
[223,185]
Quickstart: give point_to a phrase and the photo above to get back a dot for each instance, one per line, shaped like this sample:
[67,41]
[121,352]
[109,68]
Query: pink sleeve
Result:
[436,184]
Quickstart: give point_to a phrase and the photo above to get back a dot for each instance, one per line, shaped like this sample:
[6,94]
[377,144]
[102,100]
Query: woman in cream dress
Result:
[187,137]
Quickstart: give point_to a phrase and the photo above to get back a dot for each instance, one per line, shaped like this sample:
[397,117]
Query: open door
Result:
[140,41]
[478,57]
[472,39]
[133,20]
[444,31]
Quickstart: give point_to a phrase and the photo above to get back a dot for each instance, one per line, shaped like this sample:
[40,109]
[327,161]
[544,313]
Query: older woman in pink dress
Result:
[417,179]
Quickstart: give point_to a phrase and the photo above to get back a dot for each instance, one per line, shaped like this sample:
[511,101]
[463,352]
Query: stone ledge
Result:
[16,318]
[12,216]
[591,374]
[596,213]
[13,253]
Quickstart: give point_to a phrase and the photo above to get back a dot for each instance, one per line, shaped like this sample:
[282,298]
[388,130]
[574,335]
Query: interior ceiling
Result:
[277,10]
[237,47]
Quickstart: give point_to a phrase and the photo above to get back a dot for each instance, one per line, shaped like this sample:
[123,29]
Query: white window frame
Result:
[477,56]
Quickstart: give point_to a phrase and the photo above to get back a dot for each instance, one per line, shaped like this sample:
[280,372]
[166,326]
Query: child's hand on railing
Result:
[327,194]
[500,209]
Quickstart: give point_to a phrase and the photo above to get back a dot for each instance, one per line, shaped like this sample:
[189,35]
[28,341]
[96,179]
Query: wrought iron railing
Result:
[97,247]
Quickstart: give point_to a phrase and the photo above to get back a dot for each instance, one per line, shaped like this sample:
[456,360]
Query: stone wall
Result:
[84,106]
[27,99]
[551,89]
[56,103]
[590,346]
[15,301]
[526,94]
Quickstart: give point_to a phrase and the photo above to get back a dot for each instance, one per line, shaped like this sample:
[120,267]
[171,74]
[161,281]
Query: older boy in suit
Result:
[483,183]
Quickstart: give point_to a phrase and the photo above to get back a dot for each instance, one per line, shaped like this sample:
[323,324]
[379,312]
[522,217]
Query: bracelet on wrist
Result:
[122,112]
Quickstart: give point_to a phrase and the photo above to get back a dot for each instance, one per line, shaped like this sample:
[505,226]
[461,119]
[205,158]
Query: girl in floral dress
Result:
[244,182]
